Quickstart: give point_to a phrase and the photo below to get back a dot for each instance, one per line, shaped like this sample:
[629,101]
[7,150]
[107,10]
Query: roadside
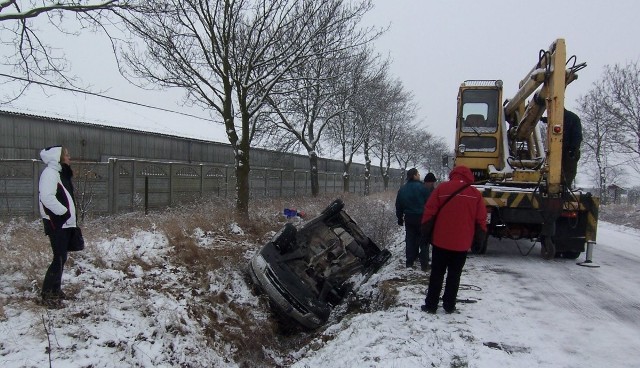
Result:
[170,289]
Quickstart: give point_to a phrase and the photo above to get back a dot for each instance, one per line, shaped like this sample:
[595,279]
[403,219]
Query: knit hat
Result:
[430,178]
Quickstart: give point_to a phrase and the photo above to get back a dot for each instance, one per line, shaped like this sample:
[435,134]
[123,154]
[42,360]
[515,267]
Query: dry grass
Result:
[621,214]
[25,249]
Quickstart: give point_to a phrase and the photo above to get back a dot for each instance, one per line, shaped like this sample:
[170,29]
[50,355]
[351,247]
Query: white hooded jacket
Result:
[51,185]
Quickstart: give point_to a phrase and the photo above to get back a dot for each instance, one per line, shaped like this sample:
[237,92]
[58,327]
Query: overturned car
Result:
[305,271]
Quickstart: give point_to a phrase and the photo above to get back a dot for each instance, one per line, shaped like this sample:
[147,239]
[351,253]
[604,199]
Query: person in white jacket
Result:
[58,211]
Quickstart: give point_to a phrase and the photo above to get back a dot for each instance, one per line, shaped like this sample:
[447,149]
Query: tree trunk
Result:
[243,162]
[384,171]
[367,169]
[313,171]
[385,180]
[242,183]
[346,178]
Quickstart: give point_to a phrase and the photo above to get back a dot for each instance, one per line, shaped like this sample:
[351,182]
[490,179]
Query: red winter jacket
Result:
[455,223]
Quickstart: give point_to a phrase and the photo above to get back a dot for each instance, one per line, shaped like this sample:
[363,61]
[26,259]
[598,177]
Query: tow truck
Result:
[516,158]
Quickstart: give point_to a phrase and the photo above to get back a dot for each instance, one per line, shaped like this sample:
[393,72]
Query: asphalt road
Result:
[610,291]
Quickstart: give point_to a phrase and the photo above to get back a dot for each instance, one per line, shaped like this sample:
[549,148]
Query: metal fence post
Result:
[201,180]
[113,173]
[146,195]
[36,188]
[170,183]
[133,184]
[226,181]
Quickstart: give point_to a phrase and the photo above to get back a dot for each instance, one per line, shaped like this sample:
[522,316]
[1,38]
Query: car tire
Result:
[287,240]
[334,208]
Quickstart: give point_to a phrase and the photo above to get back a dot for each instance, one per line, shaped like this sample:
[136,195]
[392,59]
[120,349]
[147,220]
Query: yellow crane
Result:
[516,158]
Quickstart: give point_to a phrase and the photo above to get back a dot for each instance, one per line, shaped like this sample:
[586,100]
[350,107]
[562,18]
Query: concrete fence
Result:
[123,185]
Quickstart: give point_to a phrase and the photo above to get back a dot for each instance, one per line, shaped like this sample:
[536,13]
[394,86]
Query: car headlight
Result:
[259,262]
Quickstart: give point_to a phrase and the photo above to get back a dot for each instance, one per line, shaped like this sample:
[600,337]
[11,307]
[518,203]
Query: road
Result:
[592,314]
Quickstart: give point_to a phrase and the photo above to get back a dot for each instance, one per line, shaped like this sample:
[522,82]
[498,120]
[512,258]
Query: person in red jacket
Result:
[453,215]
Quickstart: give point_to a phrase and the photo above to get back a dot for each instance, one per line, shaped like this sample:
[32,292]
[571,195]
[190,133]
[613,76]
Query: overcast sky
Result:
[434,46]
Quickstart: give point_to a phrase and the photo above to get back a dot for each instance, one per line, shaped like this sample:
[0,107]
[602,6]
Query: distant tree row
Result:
[610,114]
[286,74]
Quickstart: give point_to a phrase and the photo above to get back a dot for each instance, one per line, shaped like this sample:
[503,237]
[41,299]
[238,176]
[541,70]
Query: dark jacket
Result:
[411,199]
[572,134]
[456,222]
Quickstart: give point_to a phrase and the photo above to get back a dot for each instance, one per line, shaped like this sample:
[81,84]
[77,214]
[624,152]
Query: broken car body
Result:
[307,270]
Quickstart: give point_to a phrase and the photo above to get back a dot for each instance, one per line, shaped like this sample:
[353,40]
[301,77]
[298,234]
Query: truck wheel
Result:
[570,254]
[569,248]
[547,247]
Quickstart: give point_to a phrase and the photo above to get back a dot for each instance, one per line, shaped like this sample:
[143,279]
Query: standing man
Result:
[409,207]
[457,212]
[571,140]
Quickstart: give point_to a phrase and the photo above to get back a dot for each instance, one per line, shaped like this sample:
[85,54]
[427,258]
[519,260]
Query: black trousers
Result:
[416,245]
[59,240]
[451,263]
[570,167]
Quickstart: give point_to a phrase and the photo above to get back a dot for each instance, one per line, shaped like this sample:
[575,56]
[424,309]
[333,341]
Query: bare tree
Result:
[316,94]
[433,149]
[397,111]
[360,89]
[599,144]
[411,151]
[32,59]
[229,55]
[303,109]
[620,97]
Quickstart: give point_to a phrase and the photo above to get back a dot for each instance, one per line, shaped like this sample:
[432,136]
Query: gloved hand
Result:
[400,221]
[479,239]
[426,229]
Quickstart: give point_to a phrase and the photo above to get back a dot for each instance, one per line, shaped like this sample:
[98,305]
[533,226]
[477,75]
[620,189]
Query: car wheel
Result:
[334,208]
[287,239]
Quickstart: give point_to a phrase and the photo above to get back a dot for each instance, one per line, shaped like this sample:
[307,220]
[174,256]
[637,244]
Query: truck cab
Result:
[478,126]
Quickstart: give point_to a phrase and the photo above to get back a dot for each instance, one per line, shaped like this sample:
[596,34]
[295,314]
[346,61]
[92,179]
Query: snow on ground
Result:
[517,312]
[518,318]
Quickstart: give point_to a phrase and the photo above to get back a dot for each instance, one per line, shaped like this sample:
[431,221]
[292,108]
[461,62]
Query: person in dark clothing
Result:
[409,206]
[571,140]
[455,224]
[430,184]
[57,208]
